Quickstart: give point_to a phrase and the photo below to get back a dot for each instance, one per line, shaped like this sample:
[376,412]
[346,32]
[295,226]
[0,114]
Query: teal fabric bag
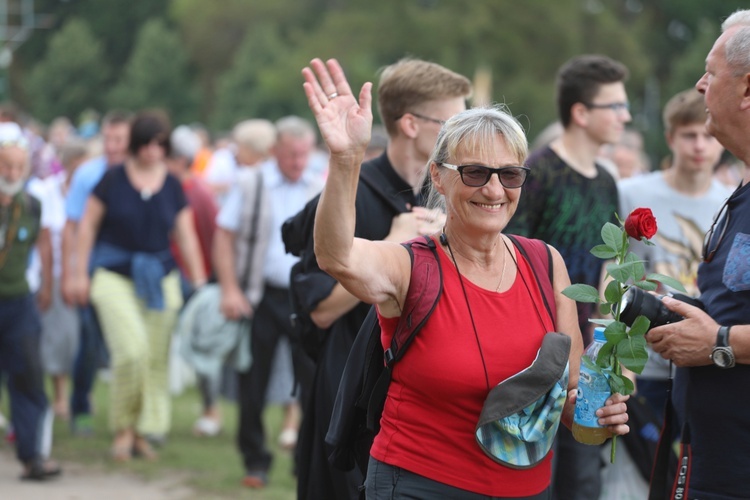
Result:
[521,415]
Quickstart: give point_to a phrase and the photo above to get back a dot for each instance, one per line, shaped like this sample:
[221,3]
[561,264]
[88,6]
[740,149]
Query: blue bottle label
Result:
[593,391]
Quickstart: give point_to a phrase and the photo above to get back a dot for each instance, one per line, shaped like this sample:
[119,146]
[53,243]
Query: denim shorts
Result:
[386,482]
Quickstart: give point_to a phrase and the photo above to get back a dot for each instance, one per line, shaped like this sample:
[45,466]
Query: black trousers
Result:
[270,323]
[21,366]
[576,468]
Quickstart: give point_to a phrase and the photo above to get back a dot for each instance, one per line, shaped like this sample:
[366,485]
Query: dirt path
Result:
[80,482]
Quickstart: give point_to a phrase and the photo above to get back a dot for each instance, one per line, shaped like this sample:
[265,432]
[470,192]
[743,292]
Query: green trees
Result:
[71,75]
[225,60]
[244,90]
[157,75]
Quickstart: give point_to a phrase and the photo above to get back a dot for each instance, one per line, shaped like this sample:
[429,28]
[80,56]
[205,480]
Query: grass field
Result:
[210,466]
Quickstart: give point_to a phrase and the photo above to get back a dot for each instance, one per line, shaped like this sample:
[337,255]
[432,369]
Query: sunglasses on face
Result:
[479,175]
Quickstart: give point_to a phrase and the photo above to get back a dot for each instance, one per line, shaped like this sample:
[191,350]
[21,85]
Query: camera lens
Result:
[637,302]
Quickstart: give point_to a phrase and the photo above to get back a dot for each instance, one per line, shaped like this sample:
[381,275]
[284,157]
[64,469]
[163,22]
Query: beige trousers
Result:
[138,340]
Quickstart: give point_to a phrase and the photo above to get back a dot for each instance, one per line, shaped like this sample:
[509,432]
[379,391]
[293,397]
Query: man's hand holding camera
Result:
[688,342]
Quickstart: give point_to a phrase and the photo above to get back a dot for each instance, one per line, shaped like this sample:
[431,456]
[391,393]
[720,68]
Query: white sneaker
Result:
[207,427]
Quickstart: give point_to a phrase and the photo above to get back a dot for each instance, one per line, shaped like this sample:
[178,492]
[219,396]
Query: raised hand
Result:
[345,122]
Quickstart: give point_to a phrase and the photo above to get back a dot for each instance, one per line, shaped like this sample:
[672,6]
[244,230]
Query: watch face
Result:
[722,357]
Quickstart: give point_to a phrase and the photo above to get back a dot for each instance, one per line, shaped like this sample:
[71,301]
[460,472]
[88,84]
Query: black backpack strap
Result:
[424,292]
[539,257]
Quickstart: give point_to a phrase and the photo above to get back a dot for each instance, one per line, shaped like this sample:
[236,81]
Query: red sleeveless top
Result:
[439,386]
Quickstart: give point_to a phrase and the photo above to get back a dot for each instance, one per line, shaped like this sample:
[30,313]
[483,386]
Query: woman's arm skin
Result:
[374,272]
[88,229]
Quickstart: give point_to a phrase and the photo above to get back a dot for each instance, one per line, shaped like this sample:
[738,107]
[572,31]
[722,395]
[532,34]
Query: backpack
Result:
[297,235]
[364,383]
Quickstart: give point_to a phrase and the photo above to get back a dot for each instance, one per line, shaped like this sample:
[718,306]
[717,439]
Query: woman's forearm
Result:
[336,215]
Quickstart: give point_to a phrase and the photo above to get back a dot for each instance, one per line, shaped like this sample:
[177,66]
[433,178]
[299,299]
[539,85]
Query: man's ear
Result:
[745,104]
[408,125]
[668,137]
[579,114]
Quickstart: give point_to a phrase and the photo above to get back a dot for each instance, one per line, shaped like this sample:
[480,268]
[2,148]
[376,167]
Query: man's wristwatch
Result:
[722,354]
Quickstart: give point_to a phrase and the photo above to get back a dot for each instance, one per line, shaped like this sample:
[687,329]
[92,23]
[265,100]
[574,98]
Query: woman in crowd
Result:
[486,326]
[124,238]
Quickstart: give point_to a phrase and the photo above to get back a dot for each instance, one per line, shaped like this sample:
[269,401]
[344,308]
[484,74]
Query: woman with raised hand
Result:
[489,323]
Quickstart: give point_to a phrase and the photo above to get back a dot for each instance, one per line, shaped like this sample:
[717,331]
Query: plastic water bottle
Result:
[593,391]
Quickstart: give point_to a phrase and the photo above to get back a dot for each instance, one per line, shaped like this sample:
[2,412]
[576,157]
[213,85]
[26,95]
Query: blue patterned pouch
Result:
[521,415]
[737,268]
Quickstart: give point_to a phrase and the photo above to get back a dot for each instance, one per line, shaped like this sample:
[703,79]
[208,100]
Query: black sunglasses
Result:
[479,175]
[708,252]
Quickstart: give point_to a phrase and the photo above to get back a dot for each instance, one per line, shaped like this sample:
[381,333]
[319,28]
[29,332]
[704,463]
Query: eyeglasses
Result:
[708,253]
[617,107]
[479,175]
[426,118]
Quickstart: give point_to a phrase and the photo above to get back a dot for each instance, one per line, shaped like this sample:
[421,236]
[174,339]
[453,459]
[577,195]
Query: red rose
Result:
[641,223]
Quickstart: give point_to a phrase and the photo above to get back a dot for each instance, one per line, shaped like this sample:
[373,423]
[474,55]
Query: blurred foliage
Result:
[157,75]
[114,23]
[245,56]
[61,83]
[249,88]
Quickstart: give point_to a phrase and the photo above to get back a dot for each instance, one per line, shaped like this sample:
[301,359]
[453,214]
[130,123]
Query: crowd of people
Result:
[105,239]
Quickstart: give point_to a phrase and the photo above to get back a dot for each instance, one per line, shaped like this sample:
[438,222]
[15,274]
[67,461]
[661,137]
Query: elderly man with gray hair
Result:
[714,343]
[252,267]
[20,327]
[252,143]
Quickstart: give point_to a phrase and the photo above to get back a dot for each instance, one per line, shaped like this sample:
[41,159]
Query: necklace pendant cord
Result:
[444,241]
[502,273]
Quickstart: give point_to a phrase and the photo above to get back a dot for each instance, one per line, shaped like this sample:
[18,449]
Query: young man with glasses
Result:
[683,198]
[565,202]
[715,344]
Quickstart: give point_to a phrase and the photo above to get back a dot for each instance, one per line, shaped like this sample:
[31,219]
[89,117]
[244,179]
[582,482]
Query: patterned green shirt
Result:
[567,210]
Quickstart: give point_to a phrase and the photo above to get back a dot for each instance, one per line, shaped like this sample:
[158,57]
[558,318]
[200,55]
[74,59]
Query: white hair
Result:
[738,18]
[185,143]
[12,135]
[294,126]
[737,48]
[258,135]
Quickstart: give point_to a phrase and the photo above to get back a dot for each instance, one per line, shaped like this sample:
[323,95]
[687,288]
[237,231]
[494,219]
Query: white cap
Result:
[185,143]
[12,135]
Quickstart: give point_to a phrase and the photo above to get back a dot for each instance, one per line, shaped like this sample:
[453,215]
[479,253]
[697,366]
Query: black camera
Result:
[637,302]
